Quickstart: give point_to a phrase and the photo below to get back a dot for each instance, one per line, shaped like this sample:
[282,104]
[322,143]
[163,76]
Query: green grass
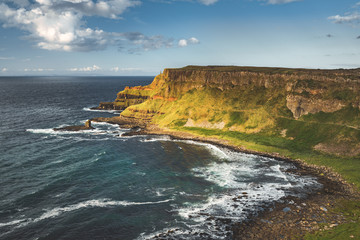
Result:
[349,116]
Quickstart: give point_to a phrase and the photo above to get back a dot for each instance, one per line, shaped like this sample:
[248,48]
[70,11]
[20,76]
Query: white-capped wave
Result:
[223,174]
[156,139]
[112,125]
[276,172]
[12,222]
[101,132]
[51,131]
[102,203]
[42,131]
[99,110]
[248,187]
[215,150]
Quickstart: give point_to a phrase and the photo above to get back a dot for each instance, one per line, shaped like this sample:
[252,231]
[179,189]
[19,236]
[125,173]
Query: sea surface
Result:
[99,185]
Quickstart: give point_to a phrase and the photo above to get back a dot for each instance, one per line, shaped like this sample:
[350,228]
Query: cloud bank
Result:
[59,25]
[86,69]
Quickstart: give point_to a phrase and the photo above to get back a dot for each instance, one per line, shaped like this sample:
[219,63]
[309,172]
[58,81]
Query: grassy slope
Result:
[257,119]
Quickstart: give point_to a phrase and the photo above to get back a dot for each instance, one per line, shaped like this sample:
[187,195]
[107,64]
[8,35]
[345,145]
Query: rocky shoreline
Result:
[288,218]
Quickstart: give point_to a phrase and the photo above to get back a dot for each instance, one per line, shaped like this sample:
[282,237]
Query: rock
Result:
[300,105]
[324,209]
[104,106]
[287,209]
[87,126]
[135,129]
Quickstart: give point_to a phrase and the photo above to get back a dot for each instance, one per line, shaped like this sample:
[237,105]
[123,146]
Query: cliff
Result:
[324,104]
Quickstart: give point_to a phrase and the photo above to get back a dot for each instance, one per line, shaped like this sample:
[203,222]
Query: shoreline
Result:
[287,218]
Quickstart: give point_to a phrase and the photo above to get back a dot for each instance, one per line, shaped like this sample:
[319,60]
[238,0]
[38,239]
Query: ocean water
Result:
[99,185]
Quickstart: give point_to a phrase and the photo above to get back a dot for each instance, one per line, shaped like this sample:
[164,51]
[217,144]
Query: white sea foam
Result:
[161,191]
[113,125]
[12,222]
[215,150]
[220,173]
[102,203]
[144,236]
[242,196]
[42,131]
[156,139]
[101,132]
[99,110]
[277,172]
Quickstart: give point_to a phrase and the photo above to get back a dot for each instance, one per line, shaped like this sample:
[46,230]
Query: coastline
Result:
[288,218]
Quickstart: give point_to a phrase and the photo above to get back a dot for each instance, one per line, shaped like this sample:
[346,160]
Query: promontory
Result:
[309,116]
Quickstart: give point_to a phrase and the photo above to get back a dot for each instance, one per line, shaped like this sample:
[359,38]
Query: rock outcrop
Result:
[86,126]
[300,105]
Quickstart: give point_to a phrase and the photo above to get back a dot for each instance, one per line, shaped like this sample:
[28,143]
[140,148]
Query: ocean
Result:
[98,184]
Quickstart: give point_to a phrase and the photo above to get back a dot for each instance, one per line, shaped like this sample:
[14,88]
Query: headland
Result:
[310,117]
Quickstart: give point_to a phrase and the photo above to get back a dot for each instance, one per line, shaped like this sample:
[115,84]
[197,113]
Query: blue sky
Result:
[142,37]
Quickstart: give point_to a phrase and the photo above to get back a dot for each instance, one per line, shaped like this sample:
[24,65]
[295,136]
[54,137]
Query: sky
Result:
[142,37]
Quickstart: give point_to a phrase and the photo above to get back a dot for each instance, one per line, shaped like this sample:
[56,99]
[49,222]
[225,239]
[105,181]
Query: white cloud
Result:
[354,17]
[86,69]
[182,42]
[59,25]
[186,42]
[115,69]
[4,69]
[54,29]
[350,17]
[38,70]
[127,69]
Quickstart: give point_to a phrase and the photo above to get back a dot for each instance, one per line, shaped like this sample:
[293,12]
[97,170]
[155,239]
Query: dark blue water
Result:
[99,185]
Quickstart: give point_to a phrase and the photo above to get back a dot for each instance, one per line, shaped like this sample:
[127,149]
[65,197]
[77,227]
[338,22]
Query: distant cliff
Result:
[323,105]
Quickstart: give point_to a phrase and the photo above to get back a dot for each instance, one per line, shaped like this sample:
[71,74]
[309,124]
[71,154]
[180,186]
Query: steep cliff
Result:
[324,104]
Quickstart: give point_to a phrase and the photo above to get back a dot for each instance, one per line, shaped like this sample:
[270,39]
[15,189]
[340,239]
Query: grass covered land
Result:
[312,115]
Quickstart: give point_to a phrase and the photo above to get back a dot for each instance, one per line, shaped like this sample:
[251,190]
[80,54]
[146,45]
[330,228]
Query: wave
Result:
[216,151]
[157,139]
[98,110]
[223,174]
[101,132]
[51,131]
[102,203]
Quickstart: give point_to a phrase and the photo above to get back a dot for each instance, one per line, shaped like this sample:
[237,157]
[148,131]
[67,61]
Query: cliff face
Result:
[251,100]
[127,97]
